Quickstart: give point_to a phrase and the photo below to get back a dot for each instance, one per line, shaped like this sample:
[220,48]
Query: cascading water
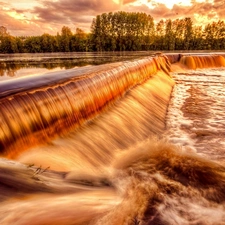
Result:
[203,61]
[92,148]
[40,113]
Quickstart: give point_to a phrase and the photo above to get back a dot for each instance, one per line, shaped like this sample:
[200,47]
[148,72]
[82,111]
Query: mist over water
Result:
[154,154]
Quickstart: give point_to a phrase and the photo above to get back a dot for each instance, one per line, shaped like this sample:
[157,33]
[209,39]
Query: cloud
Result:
[48,16]
[72,13]
[219,6]
[160,11]
[128,1]
[75,8]
[11,23]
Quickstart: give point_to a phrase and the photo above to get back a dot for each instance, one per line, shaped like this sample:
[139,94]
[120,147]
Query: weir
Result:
[88,148]
[196,61]
[41,108]
[36,109]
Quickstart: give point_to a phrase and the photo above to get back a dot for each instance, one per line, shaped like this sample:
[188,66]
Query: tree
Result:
[48,43]
[169,36]
[33,44]
[122,31]
[197,42]
[159,43]
[96,31]
[64,39]
[3,31]
[79,41]
[178,25]
[188,34]
[8,44]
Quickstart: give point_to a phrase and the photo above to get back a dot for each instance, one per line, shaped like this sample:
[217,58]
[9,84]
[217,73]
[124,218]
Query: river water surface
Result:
[137,142]
[196,116]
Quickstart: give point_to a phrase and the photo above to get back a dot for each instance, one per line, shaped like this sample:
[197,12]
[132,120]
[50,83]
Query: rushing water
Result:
[197,117]
[116,144]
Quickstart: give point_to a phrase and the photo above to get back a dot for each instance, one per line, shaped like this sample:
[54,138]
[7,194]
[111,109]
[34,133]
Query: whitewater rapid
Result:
[196,115]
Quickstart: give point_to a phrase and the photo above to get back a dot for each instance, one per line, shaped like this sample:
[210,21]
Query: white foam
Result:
[209,127]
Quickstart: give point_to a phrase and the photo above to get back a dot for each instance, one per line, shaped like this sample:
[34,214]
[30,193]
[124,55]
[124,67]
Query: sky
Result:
[36,17]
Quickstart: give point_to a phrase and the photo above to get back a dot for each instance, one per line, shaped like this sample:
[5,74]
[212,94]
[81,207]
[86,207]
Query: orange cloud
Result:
[47,16]
[128,1]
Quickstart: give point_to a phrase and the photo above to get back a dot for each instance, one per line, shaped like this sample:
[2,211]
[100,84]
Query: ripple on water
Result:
[196,115]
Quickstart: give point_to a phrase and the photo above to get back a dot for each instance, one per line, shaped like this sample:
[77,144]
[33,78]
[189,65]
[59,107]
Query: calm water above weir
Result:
[18,65]
[138,142]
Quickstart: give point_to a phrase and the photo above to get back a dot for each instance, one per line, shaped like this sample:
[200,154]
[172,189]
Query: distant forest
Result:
[122,31]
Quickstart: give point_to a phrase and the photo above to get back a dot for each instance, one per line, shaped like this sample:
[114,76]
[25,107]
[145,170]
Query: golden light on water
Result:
[108,170]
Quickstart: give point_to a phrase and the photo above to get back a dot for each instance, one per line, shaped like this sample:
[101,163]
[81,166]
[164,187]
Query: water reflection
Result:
[17,65]
[19,68]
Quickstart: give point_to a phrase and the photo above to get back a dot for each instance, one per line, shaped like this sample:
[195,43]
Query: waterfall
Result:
[36,114]
[202,61]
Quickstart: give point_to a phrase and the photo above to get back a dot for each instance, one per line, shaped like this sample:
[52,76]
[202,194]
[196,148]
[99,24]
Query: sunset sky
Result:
[35,17]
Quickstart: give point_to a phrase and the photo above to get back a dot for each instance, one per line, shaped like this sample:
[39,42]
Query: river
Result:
[135,142]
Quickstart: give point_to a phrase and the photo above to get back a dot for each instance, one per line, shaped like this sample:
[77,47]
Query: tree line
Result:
[122,31]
